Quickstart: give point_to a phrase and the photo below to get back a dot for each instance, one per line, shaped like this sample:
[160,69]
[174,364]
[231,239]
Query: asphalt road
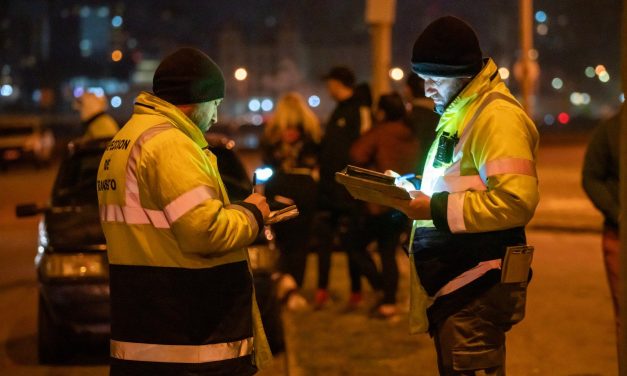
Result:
[568,329]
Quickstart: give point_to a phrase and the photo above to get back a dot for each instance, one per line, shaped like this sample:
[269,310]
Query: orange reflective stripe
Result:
[468,276]
[455,212]
[187,201]
[518,166]
[150,352]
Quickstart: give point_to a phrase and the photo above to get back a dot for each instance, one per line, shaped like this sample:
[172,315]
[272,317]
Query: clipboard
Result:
[281,215]
[371,186]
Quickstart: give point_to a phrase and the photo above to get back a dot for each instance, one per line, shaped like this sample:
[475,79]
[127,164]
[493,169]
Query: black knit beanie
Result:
[448,47]
[188,76]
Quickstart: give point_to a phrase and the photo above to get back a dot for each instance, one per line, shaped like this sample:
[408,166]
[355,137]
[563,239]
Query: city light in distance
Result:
[267,105]
[557,83]
[6,90]
[396,74]
[604,77]
[563,118]
[257,119]
[599,69]
[542,29]
[541,16]
[240,74]
[116,101]
[590,73]
[116,55]
[549,119]
[314,101]
[117,21]
[621,97]
[579,99]
[254,105]
[504,73]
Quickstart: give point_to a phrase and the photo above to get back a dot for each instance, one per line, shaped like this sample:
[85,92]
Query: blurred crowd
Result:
[393,132]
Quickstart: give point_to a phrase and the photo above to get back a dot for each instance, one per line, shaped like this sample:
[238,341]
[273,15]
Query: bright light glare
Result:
[576,98]
[240,74]
[621,97]
[117,21]
[267,105]
[254,105]
[599,69]
[263,174]
[116,102]
[557,83]
[504,73]
[116,55]
[314,101]
[396,74]
[541,16]
[604,77]
[6,90]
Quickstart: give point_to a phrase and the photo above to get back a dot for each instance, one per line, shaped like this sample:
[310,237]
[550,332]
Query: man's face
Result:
[442,89]
[334,87]
[205,114]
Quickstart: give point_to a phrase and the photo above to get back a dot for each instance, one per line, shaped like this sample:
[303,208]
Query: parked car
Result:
[24,138]
[71,261]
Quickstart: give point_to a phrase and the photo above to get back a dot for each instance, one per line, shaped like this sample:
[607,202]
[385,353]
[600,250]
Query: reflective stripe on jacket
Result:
[491,183]
[181,287]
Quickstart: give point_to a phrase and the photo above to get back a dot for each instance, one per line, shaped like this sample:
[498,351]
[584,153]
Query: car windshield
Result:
[76,180]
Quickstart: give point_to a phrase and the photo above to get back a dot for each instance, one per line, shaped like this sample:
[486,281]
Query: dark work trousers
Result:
[472,340]
[327,228]
[385,229]
[292,236]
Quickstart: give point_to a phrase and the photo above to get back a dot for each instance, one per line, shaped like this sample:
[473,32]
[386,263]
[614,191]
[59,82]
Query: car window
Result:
[76,180]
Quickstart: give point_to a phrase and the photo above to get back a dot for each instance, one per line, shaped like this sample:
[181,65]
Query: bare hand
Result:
[419,207]
[260,202]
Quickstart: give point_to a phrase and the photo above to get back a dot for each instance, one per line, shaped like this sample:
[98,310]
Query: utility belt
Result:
[446,262]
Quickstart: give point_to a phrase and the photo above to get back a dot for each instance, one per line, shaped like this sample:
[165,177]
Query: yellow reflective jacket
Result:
[101,125]
[181,287]
[491,183]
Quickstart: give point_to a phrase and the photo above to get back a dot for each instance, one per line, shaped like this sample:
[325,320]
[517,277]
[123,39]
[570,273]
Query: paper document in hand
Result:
[371,186]
[281,215]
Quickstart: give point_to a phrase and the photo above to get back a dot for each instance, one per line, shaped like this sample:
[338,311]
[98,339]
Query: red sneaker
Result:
[354,301]
[321,298]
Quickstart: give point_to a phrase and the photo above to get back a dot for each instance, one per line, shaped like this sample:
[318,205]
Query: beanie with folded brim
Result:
[448,47]
[188,76]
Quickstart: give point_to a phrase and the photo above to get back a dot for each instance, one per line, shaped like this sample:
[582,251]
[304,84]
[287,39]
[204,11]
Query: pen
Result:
[254,181]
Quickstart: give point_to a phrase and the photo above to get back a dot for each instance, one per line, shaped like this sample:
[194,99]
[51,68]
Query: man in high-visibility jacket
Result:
[182,299]
[479,189]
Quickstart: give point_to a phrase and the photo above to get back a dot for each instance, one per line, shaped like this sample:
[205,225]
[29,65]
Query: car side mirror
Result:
[27,210]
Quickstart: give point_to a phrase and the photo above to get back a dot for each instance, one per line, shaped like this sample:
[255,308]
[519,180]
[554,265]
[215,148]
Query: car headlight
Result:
[74,265]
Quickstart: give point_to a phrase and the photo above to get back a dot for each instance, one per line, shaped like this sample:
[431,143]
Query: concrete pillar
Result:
[622,356]
[380,16]
[526,69]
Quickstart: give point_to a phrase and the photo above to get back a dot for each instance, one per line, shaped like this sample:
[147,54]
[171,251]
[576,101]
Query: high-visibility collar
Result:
[147,103]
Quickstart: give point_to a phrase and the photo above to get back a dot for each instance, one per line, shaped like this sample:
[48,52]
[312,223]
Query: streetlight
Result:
[240,74]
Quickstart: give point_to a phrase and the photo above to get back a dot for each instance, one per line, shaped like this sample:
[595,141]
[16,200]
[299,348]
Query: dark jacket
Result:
[343,128]
[601,170]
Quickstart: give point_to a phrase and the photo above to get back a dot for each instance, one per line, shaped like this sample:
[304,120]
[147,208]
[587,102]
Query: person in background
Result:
[422,116]
[290,147]
[182,294]
[600,180]
[349,119]
[479,190]
[95,120]
[389,145]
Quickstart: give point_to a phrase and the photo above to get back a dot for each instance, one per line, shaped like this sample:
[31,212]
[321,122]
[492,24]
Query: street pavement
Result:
[568,329]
